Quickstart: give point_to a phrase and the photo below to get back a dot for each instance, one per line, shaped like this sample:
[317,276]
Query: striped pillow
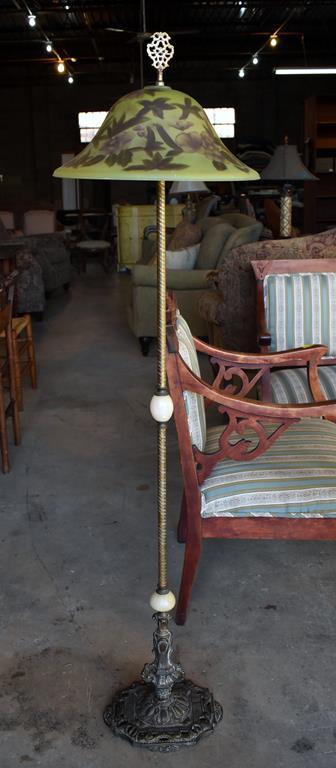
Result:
[194,404]
[301,310]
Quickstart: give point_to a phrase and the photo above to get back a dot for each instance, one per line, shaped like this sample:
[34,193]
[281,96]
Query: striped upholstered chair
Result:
[296,307]
[268,471]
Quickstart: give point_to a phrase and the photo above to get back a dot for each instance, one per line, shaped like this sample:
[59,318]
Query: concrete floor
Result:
[78,565]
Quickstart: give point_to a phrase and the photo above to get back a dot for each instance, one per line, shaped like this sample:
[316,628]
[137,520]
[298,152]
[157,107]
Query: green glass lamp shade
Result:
[160,134]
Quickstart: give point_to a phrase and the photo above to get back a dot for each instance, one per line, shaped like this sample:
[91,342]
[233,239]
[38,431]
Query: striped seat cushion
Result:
[301,310]
[291,385]
[296,477]
[194,404]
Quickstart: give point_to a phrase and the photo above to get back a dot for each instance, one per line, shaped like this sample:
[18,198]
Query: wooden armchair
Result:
[268,471]
[296,307]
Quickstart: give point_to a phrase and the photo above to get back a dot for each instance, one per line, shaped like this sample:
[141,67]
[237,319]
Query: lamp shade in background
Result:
[156,133]
[286,165]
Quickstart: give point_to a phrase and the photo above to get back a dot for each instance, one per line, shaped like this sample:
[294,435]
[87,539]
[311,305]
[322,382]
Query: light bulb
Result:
[274,41]
[32,20]
[67,7]
[60,67]
[255,60]
[48,47]
[70,79]
[242,72]
[242,10]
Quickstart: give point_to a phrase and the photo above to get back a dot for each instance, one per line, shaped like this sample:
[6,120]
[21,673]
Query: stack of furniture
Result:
[131,222]
[229,305]
[219,235]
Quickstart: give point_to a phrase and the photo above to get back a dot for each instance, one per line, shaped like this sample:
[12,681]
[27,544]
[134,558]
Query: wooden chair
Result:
[268,471]
[11,409]
[94,225]
[39,222]
[22,339]
[7,218]
[24,354]
[296,306]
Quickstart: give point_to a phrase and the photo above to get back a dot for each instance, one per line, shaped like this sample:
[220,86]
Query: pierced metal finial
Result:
[160,50]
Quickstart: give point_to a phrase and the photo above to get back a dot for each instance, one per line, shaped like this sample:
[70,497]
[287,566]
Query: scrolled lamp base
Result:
[165,711]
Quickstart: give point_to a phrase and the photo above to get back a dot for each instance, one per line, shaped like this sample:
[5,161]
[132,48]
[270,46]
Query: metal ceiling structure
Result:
[215,39]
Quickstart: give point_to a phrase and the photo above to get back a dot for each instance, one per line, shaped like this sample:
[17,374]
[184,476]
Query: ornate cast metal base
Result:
[165,712]
[135,716]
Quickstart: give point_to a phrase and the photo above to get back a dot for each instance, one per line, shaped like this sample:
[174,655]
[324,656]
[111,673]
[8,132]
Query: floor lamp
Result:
[160,134]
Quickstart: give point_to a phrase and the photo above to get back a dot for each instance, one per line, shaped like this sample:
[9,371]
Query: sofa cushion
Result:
[184,259]
[194,403]
[301,310]
[212,244]
[295,477]
[291,385]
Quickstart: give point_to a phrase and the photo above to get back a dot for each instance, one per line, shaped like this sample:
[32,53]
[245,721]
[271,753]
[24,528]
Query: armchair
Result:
[296,303]
[268,472]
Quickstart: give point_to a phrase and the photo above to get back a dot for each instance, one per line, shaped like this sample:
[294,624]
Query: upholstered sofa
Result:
[53,257]
[219,235]
[228,306]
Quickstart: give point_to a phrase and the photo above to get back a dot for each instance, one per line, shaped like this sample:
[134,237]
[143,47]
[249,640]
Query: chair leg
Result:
[182,524]
[145,344]
[191,558]
[31,354]
[3,434]
[17,373]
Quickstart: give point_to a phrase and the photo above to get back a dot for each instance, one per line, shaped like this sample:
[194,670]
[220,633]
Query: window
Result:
[89,123]
[223,120]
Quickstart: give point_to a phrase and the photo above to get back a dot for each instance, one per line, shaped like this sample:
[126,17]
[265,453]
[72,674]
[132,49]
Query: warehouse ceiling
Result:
[213,40]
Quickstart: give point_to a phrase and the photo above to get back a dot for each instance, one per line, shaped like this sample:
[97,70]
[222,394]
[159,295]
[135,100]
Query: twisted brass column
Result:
[161,387]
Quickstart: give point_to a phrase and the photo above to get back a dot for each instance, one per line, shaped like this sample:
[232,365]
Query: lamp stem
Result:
[161,386]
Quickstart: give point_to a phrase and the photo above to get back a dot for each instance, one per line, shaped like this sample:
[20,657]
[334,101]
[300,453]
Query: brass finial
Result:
[160,50]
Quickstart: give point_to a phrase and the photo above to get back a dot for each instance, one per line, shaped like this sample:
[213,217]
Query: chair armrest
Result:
[245,417]
[177,279]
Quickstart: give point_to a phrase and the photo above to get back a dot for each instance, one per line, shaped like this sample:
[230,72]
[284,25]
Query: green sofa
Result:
[219,235]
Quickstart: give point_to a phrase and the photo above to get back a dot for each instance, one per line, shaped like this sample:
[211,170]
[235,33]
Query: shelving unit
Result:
[320,134]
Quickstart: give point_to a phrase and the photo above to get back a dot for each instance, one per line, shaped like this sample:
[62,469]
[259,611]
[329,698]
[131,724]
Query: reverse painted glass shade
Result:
[156,133]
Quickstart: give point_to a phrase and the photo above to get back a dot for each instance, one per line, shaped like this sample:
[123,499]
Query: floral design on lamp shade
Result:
[156,133]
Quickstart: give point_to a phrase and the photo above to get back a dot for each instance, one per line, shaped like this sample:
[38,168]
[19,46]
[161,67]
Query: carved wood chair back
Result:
[227,499]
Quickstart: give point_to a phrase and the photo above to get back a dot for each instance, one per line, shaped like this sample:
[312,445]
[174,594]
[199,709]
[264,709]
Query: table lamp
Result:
[158,133]
[286,165]
[189,188]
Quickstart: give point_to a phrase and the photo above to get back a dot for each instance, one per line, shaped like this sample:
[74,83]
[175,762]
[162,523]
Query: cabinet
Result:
[320,140]
[131,221]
